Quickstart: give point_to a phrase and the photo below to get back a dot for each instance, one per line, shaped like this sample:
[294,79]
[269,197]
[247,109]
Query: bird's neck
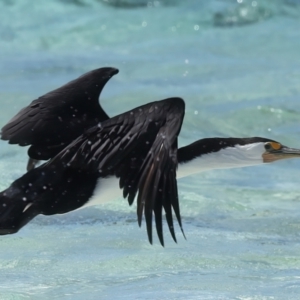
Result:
[203,156]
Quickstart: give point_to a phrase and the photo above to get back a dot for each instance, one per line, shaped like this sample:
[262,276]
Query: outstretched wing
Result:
[140,148]
[52,121]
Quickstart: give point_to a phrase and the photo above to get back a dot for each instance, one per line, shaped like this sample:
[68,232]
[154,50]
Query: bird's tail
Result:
[15,210]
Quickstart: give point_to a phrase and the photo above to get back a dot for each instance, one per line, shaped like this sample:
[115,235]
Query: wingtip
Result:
[183,233]
[104,73]
[174,237]
[150,239]
[161,240]
[115,71]
[139,219]
[110,71]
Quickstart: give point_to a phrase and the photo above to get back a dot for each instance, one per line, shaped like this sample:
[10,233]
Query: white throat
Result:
[231,157]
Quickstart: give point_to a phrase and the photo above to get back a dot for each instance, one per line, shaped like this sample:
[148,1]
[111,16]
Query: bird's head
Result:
[224,153]
[258,149]
[274,151]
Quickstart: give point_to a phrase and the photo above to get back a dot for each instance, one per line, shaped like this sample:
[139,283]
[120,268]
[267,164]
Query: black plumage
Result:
[55,119]
[139,147]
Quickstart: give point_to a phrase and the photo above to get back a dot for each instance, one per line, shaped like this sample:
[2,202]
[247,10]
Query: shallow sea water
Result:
[237,65]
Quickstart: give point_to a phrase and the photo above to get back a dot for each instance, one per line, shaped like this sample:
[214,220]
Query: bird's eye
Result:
[268,146]
[272,146]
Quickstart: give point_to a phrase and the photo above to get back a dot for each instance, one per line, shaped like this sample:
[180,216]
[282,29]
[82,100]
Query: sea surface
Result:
[237,65]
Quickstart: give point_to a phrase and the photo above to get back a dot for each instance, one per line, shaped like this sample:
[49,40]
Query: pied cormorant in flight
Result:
[137,150]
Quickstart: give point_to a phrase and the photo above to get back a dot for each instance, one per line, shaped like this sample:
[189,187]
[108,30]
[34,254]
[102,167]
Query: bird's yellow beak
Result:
[281,153]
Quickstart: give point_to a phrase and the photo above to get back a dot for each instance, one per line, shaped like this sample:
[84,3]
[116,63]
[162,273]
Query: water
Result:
[237,65]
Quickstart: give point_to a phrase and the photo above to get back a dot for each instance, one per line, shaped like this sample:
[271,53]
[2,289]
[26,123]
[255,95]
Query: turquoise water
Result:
[237,65]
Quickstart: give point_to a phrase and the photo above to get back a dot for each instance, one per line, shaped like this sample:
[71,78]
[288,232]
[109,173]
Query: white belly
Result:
[107,189]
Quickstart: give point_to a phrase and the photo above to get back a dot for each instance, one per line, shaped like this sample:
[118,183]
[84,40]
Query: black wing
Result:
[140,148]
[52,121]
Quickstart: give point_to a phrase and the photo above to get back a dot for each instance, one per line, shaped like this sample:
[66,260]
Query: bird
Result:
[49,123]
[137,151]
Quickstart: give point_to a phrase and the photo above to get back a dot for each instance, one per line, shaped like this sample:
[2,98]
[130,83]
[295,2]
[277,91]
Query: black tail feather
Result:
[15,212]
